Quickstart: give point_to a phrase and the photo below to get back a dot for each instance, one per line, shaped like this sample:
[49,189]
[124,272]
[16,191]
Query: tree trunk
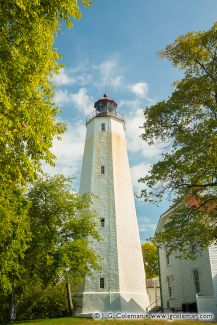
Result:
[69,297]
[12,308]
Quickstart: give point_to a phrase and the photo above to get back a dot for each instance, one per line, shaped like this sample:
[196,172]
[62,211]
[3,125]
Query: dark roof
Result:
[104,99]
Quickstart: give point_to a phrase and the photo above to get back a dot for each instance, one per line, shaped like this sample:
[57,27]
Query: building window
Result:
[196,280]
[102,222]
[167,258]
[102,169]
[170,286]
[103,126]
[193,249]
[102,283]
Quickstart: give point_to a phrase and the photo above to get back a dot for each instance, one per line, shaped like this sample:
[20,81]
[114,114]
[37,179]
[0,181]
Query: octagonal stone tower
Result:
[120,285]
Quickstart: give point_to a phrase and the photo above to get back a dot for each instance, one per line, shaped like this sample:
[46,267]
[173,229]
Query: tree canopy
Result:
[28,124]
[49,245]
[28,59]
[150,257]
[61,223]
[187,123]
[15,237]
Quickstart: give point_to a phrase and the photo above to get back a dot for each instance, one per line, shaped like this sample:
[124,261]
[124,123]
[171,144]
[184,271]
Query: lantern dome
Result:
[105,106]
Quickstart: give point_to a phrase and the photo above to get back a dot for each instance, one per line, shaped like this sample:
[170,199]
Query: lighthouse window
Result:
[102,283]
[102,169]
[110,107]
[103,126]
[102,222]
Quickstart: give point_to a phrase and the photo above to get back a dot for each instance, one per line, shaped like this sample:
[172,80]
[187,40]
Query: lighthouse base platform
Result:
[114,302]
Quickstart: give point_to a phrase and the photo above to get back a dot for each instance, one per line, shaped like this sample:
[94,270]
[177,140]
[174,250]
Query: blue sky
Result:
[117,42]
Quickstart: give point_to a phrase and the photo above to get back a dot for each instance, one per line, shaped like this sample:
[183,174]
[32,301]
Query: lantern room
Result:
[105,106]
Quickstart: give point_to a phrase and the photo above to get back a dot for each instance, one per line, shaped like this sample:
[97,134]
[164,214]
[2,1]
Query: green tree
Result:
[39,303]
[14,237]
[187,123]
[14,240]
[62,224]
[28,124]
[28,59]
[150,257]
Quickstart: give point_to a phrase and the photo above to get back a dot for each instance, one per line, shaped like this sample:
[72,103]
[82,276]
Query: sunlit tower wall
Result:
[120,285]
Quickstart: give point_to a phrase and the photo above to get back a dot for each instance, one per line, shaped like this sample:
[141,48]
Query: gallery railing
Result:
[104,114]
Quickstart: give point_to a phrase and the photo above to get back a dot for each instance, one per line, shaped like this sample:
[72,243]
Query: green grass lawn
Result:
[71,321]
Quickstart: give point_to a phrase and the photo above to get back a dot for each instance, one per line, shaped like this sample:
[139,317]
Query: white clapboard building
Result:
[120,285]
[188,285]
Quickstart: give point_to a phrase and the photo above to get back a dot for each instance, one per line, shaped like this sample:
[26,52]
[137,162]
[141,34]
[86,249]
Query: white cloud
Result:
[68,151]
[107,68]
[85,79]
[87,74]
[138,171]
[80,100]
[80,75]
[129,104]
[140,89]
[62,78]
[134,141]
[146,225]
[116,82]
[61,97]
[109,73]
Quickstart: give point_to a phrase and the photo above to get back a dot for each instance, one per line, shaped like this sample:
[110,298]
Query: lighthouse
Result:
[120,285]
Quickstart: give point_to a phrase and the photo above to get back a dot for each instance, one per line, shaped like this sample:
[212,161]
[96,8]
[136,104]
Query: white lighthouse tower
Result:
[120,285]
